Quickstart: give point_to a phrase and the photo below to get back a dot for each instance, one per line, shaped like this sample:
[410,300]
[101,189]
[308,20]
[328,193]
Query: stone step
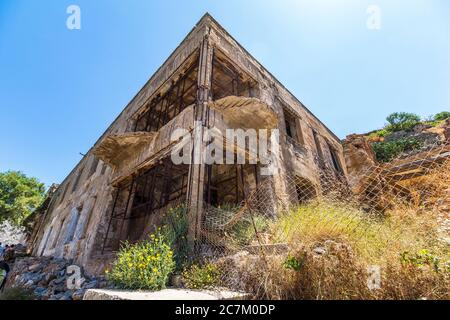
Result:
[166,294]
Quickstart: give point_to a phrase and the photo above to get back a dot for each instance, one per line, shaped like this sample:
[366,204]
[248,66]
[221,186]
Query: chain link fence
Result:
[390,206]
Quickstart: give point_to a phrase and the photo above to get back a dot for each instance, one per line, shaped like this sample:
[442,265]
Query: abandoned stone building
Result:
[121,187]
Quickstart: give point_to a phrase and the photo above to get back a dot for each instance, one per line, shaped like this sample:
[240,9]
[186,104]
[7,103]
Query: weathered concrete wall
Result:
[76,224]
[162,141]
[272,92]
[93,194]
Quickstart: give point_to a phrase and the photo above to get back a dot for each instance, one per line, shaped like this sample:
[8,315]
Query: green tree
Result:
[19,196]
[442,116]
[402,121]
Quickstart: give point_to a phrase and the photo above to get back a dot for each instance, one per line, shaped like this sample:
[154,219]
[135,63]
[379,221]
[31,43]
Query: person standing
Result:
[2,249]
[4,270]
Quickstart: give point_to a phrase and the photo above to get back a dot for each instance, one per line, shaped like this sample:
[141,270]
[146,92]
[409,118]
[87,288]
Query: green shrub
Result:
[202,277]
[387,151]
[433,123]
[175,228]
[380,133]
[442,116]
[383,132]
[144,265]
[402,121]
[424,258]
[17,293]
[292,263]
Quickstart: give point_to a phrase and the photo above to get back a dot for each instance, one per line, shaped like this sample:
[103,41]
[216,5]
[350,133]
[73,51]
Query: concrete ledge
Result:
[166,294]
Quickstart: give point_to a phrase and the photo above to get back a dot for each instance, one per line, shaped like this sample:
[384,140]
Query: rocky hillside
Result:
[403,136]
[406,134]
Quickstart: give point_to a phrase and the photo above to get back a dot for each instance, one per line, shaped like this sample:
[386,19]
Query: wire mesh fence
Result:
[369,216]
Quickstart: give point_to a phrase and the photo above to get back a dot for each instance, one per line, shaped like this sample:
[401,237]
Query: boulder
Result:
[47,279]
[35,267]
[35,278]
[90,285]
[446,127]
[359,158]
[78,295]
[320,250]
[39,291]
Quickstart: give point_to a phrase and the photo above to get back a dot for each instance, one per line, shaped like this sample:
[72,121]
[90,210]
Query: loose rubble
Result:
[48,279]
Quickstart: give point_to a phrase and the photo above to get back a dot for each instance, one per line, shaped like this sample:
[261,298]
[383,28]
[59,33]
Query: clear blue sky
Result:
[60,89]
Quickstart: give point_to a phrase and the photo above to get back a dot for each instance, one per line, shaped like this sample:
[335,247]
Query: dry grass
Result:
[372,238]
[333,243]
[331,247]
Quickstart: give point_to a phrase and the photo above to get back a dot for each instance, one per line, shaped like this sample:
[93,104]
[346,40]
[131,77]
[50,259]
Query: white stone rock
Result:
[166,294]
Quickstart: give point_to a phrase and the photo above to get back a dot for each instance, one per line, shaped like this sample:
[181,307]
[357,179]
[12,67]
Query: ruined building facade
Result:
[124,184]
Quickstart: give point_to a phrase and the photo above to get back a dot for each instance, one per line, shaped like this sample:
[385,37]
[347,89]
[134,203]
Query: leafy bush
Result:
[144,265]
[387,151]
[383,133]
[402,121]
[424,258]
[442,116]
[293,263]
[175,228]
[433,123]
[17,293]
[376,135]
[202,277]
